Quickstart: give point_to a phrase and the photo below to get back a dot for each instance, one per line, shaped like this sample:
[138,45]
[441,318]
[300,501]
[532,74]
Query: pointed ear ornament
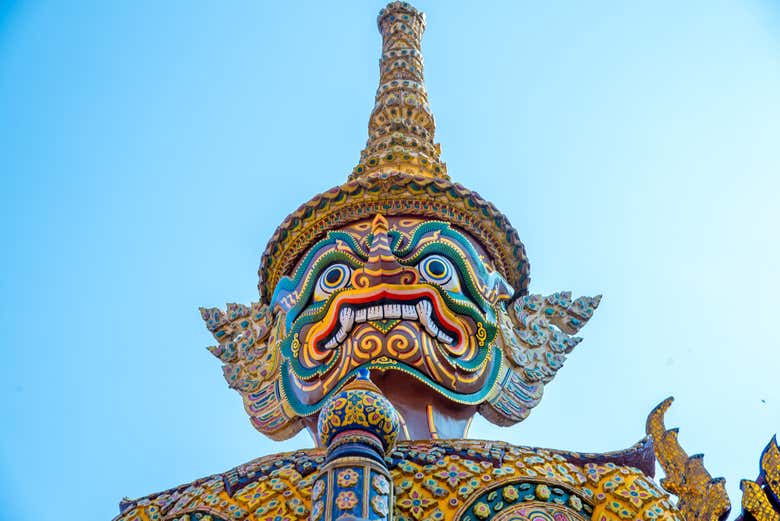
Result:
[248,338]
[535,335]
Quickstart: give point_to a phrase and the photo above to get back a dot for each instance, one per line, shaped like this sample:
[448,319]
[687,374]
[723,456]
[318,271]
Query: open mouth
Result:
[421,306]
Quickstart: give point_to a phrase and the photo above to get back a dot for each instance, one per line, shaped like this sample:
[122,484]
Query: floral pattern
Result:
[347,478]
[509,493]
[415,503]
[379,504]
[346,500]
[482,510]
[634,494]
[452,475]
[380,483]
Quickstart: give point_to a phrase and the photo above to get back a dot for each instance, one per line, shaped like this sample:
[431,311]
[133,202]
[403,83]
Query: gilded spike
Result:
[401,127]
[702,498]
[761,498]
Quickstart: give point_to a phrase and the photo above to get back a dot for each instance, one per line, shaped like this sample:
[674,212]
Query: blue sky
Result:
[149,149]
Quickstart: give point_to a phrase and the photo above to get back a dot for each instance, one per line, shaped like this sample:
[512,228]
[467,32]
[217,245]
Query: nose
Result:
[382,267]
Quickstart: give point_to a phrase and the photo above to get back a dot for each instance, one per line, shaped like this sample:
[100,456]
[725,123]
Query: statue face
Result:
[401,295]
[418,304]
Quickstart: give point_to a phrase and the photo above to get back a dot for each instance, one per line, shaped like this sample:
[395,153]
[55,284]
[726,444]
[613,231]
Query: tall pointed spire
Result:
[401,127]
[400,172]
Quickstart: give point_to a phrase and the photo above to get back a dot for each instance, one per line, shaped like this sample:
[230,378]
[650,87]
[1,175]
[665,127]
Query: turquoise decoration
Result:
[513,493]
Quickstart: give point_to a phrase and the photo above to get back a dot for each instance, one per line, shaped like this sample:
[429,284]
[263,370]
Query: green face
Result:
[406,295]
[416,303]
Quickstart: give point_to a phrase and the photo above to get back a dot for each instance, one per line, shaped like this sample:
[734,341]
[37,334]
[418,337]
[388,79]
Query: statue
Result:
[392,309]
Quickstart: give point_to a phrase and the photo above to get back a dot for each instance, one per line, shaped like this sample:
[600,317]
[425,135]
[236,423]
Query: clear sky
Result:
[149,149]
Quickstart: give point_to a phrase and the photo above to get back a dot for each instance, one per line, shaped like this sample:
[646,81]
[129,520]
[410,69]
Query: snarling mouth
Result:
[408,302]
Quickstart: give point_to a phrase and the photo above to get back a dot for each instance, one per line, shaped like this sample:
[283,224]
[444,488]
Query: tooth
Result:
[431,328]
[424,310]
[332,343]
[392,311]
[347,318]
[375,312]
[341,335]
[444,338]
[409,312]
[360,315]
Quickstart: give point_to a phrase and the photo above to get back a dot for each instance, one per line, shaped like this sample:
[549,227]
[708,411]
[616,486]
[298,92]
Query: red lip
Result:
[385,293]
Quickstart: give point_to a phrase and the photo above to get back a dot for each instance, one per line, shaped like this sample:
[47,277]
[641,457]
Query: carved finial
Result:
[401,127]
[702,497]
[358,426]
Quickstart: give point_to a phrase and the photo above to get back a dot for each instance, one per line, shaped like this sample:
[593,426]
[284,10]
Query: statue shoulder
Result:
[275,485]
[621,492]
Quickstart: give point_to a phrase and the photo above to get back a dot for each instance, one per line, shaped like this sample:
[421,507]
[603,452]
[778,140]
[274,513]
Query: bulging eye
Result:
[439,270]
[335,277]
